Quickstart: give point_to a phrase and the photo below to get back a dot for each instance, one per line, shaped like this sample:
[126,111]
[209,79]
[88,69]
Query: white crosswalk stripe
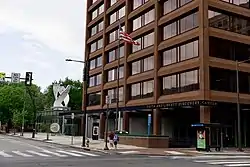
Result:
[223,160]
[84,153]
[46,153]
[69,153]
[22,154]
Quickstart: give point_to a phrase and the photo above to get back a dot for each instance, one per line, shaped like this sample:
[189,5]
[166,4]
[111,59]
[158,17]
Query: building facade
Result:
[182,72]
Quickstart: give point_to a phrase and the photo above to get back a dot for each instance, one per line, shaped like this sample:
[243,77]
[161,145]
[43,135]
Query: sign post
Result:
[72,128]
[149,124]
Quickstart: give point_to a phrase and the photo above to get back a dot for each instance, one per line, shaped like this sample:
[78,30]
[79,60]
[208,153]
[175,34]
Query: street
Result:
[19,152]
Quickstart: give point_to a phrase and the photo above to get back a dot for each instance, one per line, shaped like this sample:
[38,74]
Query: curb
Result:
[46,141]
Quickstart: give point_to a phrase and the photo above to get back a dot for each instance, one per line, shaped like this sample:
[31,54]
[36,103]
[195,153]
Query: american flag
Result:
[126,37]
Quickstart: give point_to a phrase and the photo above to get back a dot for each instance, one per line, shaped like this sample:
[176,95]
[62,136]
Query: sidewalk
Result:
[97,145]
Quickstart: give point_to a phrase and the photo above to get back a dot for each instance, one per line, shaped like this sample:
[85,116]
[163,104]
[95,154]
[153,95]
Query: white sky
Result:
[38,35]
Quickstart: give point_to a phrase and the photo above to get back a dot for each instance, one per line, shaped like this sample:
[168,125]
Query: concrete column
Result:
[156,121]
[205,114]
[102,125]
[125,121]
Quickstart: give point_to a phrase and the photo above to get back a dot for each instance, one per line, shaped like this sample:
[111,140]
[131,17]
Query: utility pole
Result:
[238,107]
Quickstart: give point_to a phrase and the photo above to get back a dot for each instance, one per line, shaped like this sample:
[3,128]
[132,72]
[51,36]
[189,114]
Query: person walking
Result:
[111,139]
[116,140]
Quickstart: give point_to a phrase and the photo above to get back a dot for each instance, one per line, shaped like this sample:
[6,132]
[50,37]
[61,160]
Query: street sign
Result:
[15,77]
[55,127]
[72,115]
[2,76]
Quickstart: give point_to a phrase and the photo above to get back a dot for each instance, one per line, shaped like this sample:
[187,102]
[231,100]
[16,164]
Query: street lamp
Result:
[238,103]
[108,101]
[85,79]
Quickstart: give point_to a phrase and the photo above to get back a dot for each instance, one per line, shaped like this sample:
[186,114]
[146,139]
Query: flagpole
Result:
[117,122]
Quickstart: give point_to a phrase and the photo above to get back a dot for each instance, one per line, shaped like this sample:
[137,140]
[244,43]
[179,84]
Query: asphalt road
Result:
[17,152]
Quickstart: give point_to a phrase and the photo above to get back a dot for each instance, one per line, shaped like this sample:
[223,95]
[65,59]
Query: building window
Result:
[112,74]
[182,82]
[117,15]
[96,45]
[112,55]
[241,3]
[112,93]
[143,65]
[185,24]
[144,19]
[171,5]
[181,53]
[229,22]
[94,99]
[138,3]
[145,41]
[113,36]
[97,12]
[112,2]
[94,63]
[97,28]
[93,1]
[142,90]
[95,80]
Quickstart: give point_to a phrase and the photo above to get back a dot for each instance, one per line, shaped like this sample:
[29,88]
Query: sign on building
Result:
[15,77]
[2,76]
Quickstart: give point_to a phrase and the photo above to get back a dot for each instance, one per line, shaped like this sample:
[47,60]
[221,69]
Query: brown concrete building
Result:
[182,73]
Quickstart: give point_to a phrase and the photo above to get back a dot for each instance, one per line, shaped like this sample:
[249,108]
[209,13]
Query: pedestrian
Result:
[111,139]
[116,140]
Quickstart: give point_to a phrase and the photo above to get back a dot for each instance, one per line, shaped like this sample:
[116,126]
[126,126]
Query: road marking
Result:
[2,153]
[228,162]
[174,152]
[22,154]
[235,165]
[69,153]
[84,153]
[53,153]
[157,156]
[128,152]
[37,153]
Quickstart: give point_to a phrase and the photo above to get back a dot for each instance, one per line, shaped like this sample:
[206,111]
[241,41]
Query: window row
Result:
[112,2]
[97,12]
[95,80]
[180,53]
[145,41]
[229,23]
[113,74]
[143,19]
[117,15]
[96,45]
[94,63]
[113,36]
[112,93]
[242,3]
[185,24]
[171,5]
[113,54]
[97,28]
[143,65]
[183,82]
[142,90]
[138,3]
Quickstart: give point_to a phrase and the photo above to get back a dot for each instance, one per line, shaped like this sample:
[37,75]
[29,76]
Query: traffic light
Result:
[28,79]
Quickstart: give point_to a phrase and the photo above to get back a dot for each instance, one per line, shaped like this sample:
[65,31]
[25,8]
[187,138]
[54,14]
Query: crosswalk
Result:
[221,160]
[46,153]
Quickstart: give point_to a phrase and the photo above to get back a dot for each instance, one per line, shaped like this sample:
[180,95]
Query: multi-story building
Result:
[182,72]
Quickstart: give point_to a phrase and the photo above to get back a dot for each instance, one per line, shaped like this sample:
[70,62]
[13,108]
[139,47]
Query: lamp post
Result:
[238,103]
[85,74]
[108,101]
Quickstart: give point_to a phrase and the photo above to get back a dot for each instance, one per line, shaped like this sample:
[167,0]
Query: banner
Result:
[201,139]
[2,76]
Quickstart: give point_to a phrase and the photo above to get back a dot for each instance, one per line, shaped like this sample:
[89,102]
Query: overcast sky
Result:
[38,35]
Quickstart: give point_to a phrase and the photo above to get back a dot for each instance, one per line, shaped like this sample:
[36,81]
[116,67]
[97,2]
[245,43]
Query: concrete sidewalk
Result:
[97,145]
